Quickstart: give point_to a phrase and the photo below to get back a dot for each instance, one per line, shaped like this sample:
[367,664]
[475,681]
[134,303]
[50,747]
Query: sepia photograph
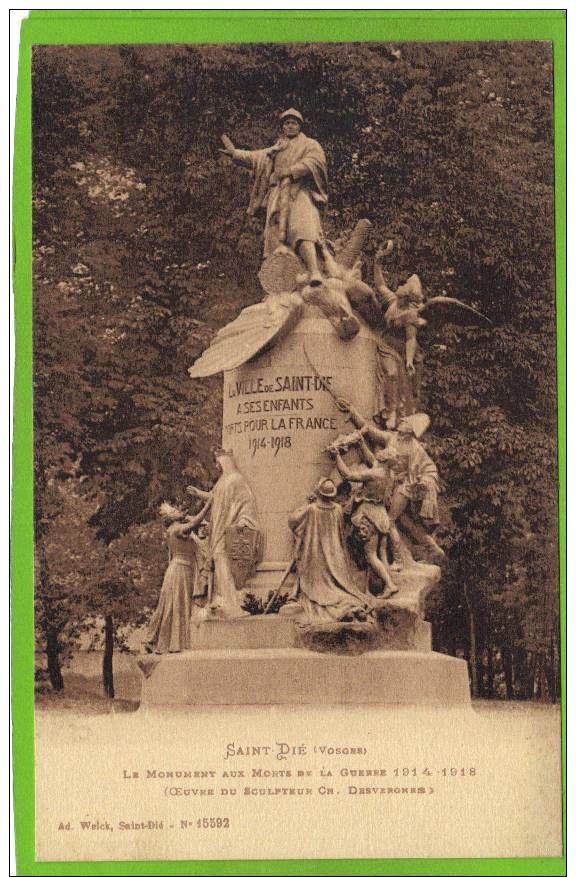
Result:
[295,451]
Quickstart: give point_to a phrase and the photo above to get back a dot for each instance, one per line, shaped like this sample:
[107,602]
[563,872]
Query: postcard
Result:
[287,443]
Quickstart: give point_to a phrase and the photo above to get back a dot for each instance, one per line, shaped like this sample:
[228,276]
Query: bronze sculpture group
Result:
[387,496]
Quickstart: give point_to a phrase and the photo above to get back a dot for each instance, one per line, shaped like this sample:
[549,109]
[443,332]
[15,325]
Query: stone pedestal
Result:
[250,632]
[278,418]
[268,660]
[296,676]
[414,583]
[400,629]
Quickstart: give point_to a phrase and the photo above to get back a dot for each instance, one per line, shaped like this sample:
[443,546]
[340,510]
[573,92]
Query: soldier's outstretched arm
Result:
[366,451]
[229,147]
[239,156]
[355,473]
[347,408]
[380,436]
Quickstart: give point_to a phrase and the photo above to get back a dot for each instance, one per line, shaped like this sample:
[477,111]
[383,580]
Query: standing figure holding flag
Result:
[290,184]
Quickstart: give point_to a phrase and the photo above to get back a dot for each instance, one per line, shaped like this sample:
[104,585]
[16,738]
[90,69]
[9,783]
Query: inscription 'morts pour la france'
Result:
[279,408]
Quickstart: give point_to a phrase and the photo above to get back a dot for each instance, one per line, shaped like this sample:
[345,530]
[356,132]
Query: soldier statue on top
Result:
[290,184]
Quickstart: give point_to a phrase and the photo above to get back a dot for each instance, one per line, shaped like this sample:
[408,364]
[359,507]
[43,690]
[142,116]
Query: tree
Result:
[69,561]
[134,567]
[142,251]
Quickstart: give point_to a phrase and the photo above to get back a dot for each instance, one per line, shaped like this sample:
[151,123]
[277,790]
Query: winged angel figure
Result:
[345,299]
[399,357]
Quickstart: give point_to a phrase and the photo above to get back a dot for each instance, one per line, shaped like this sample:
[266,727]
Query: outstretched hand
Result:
[343,405]
[347,408]
[229,148]
[193,491]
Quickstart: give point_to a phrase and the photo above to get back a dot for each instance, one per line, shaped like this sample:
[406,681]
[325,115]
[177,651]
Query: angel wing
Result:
[254,328]
[452,310]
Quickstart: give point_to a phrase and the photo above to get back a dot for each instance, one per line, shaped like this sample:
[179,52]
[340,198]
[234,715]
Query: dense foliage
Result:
[142,250]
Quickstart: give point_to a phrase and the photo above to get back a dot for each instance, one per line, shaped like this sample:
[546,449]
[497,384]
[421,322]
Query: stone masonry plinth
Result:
[260,660]
[296,676]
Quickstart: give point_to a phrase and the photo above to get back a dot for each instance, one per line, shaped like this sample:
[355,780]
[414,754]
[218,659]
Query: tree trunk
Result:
[480,673]
[553,670]
[508,672]
[525,673]
[541,691]
[490,673]
[472,657]
[53,660]
[532,674]
[107,662]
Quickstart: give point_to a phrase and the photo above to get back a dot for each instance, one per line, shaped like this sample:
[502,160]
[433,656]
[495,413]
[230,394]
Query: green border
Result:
[217,26]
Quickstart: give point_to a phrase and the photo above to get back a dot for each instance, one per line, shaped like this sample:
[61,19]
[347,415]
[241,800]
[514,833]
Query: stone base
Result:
[414,583]
[266,577]
[398,629]
[295,676]
[247,632]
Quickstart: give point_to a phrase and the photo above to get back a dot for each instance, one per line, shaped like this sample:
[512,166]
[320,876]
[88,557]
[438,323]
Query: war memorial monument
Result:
[327,504]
